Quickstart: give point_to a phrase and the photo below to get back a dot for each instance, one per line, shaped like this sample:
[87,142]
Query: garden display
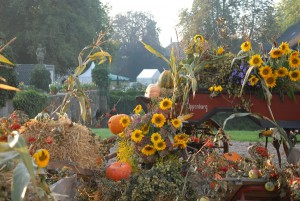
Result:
[166,149]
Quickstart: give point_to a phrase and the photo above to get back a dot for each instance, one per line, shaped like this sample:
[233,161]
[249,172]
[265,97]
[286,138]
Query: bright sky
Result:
[165,13]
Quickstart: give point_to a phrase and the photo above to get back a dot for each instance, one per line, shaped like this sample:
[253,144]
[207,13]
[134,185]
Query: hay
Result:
[71,142]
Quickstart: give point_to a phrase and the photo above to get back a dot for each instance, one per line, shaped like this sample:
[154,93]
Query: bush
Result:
[30,101]
[127,100]
[11,79]
[40,77]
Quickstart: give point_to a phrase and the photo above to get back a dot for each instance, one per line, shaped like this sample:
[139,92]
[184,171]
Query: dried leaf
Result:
[5,60]
[7,87]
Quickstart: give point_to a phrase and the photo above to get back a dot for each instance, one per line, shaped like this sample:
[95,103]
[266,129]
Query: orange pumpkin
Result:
[232,156]
[114,123]
[152,91]
[118,170]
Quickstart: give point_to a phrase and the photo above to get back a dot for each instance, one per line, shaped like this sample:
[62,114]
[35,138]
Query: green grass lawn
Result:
[234,134]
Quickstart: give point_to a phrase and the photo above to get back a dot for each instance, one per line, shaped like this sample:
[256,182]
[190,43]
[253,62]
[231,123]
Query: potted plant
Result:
[54,88]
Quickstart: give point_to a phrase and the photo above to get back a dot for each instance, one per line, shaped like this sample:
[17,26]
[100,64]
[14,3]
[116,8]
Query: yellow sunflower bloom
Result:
[176,123]
[137,136]
[181,144]
[284,46]
[218,88]
[138,109]
[282,72]
[181,137]
[270,81]
[165,104]
[246,46]
[145,129]
[212,88]
[125,121]
[265,71]
[276,53]
[41,158]
[256,60]
[253,80]
[294,61]
[294,75]
[160,145]
[159,120]
[148,150]
[155,137]
[121,135]
[198,38]
[294,54]
[220,51]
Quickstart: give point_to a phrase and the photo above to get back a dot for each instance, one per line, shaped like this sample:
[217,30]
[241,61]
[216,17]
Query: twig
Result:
[7,44]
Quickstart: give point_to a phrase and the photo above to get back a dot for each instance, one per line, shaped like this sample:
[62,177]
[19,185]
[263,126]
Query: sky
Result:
[165,13]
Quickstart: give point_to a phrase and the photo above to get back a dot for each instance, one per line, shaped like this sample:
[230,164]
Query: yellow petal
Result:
[5,60]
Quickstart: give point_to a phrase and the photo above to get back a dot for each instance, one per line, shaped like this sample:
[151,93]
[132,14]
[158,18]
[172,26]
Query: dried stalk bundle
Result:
[66,141]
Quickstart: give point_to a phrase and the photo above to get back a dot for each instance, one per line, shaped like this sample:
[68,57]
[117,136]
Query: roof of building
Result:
[114,77]
[148,73]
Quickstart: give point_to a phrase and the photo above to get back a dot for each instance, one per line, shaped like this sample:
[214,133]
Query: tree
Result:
[129,29]
[229,22]
[288,13]
[63,27]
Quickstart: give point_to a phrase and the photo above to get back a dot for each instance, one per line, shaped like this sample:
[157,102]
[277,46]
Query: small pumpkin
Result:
[114,123]
[165,79]
[232,156]
[152,91]
[118,170]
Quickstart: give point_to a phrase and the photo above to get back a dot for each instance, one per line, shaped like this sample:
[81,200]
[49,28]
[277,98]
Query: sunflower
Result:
[294,54]
[155,137]
[284,46]
[246,46]
[181,144]
[125,121]
[41,157]
[294,75]
[198,38]
[220,51]
[160,145]
[294,61]
[282,71]
[137,136]
[218,88]
[148,150]
[211,88]
[165,104]
[270,81]
[265,71]
[276,53]
[121,135]
[145,129]
[158,119]
[255,60]
[176,123]
[138,109]
[181,137]
[253,80]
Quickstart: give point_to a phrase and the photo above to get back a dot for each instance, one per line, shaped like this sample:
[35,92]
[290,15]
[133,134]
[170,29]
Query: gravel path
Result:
[241,148]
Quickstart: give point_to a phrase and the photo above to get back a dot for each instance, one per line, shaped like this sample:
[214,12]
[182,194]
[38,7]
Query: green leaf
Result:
[153,51]
[246,78]
[6,156]
[21,180]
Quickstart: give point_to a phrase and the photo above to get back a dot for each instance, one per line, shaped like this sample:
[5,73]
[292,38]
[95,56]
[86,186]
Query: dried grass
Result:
[72,142]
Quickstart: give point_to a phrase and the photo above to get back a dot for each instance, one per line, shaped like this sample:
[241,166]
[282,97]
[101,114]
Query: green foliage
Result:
[30,101]
[40,77]
[162,182]
[288,13]
[63,27]
[127,100]
[100,78]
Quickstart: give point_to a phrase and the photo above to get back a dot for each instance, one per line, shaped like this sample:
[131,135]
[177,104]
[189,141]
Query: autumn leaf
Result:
[7,87]
[5,60]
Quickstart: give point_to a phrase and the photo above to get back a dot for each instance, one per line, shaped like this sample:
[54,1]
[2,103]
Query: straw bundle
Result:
[66,141]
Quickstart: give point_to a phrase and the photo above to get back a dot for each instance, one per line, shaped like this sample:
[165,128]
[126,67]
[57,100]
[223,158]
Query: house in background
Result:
[24,71]
[116,81]
[148,76]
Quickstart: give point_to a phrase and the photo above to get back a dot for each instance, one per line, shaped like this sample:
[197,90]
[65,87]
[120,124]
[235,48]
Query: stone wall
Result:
[56,100]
